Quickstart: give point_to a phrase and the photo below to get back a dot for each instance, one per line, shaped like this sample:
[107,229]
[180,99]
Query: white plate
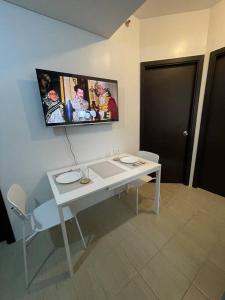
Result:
[129,160]
[68,177]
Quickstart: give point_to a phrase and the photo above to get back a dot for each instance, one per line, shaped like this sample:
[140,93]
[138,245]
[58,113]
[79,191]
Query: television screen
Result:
[69,99]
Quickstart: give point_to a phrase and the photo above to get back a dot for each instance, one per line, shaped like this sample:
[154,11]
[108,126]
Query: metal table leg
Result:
[65,238]
[157,191]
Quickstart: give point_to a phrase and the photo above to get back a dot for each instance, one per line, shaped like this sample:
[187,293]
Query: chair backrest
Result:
[17,198]
[149,156]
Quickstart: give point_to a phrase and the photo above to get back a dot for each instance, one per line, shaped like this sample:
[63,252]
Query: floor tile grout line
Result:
[160,251]
[197,289]
[127,283]
[124,285]
[179,230]
[139,272]
[170,263]
[215,264]
[207,296]
[178,268]
[199,270]
[176,233]
[146,261]
[149,286]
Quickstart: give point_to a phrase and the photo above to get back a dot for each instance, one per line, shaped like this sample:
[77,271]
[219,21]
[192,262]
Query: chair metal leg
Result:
[40,267]
[25,255]
[137,200]
[30,238]
[81,234]
[127,188]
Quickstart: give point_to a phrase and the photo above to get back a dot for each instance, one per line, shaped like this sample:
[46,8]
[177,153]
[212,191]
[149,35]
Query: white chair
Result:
[42,218]
[144,179]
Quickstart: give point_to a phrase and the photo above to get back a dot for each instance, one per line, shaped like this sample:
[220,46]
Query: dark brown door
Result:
[169,97]
[210,166]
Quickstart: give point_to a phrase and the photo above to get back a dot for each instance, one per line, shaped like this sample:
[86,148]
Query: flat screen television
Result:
[70,99]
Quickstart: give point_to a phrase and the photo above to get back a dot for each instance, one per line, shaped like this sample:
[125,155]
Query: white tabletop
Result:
[99,183]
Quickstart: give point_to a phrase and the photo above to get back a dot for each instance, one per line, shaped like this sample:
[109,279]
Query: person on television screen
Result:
[107,104]
[44,83]
[54,108]
[80,105]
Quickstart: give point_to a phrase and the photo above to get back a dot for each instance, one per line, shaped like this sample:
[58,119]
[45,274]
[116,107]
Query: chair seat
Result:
[46,215]
[140,181]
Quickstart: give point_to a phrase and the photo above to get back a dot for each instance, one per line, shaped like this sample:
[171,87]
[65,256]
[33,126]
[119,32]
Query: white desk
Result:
[81,197]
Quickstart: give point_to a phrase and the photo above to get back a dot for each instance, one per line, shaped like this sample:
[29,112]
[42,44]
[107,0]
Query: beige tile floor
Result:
[179,254]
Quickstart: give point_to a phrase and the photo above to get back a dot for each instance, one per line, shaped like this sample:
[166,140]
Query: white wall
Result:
[216,35]
[27,148]
[174,36]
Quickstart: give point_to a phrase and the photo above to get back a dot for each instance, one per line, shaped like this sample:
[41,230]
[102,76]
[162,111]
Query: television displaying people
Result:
[44,81]
[80,105]
[54,109]
[69,99]
[107,104]
[78,109]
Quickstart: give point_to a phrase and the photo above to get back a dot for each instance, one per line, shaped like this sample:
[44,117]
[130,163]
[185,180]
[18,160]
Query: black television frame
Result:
[85,77]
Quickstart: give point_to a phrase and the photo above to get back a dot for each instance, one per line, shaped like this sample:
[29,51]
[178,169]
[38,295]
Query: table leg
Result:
[157,191]
[65,238]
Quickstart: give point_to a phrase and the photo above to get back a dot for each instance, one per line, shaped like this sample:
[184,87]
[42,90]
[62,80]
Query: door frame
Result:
[198,60]
[206,106]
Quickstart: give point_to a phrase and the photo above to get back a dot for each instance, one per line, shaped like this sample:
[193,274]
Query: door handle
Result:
[185,133]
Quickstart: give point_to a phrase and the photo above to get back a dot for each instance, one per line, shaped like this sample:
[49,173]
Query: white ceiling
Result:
[156,8]
[102,17]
